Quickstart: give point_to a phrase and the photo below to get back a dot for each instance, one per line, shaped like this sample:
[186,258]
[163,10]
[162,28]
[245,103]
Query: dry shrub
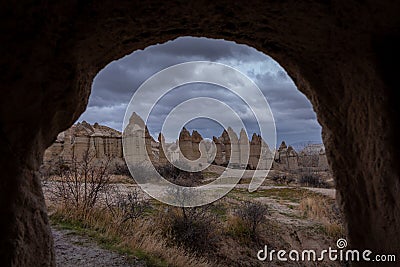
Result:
[312,180]
[195,229]
[325,211]
[178,176]
[244,223]
[236,228]
[191,228]
[252,215]
[283,179]
[334,230]
[148,237]
[143,234]
[83,196]
[315,207]
[127,206]
[80,183]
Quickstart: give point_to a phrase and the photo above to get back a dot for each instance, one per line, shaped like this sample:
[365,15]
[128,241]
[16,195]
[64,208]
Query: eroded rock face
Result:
[162,159]
[244,148]
[96,140]
[234,160]
[218,155]
[341,57]
[196,139]
[255,150]
[227,145]
[185,144]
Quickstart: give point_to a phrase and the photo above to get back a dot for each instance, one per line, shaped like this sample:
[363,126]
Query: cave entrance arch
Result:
[339,55]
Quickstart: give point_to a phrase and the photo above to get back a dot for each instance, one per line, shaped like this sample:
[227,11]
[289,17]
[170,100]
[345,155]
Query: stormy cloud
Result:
[114,86]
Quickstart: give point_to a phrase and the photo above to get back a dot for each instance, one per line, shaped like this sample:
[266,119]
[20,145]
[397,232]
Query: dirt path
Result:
[73,250]
[329,192]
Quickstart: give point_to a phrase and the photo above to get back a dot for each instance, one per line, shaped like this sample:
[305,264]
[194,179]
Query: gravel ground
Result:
[73,250]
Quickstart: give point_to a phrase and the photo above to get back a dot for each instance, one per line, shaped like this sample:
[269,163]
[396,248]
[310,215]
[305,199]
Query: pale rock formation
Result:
[292,159]
[185,144]
[162,159]
[134,139]
[266,156]
[81,139]
[196,139]
[227,146]
[235,149]
[244,149]
[286,158]
[218,156]
[255,151]
[173,152]
[148,142]
[103,142]
[280,156]
[322,160]
[309,156]
[210,150]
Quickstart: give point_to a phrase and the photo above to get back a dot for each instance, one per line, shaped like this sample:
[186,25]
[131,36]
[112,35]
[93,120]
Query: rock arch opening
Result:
[341,71]
[114,86]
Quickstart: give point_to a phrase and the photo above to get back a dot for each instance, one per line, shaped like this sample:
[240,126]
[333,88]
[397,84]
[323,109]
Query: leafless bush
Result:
[121,169]
[179,176]
[128,206]
[252,214]
[193,228]
[283,179]
[312,180]
[80,183]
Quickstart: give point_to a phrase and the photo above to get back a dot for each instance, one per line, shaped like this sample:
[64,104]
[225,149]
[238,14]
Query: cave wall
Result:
[339,53]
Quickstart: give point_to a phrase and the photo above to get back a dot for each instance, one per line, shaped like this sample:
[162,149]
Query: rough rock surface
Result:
[218,155]
[162,159]
[196,139]
[98,140]
[185,144]
[339,53]
[255,150]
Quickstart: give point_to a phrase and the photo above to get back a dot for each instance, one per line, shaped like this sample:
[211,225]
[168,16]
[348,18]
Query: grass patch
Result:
[323,210]
[220,210]
[290,215]
[111,243]
[237,229]
[210,174]
[139,239]
[149,259]
[292,194]
[334,230]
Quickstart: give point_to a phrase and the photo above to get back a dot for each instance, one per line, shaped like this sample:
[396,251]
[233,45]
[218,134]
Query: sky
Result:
[114,86]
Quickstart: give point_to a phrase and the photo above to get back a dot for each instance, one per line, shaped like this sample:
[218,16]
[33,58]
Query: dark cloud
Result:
[114,86]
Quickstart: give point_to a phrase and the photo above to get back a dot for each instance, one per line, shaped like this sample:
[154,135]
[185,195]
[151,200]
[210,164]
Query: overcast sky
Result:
[114,86]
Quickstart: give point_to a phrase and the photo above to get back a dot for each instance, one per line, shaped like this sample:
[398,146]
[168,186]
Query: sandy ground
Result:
[74,250]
